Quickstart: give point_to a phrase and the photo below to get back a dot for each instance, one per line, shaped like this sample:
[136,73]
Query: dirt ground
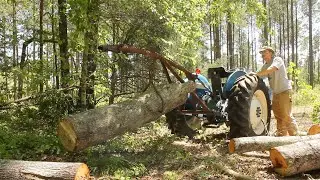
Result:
[256,165]
[208,156]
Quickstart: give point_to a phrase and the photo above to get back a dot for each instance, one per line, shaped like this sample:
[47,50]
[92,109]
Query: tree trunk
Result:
[288,33]
[210,43]
[113,78]
[248,50]
[262,143]
[91,39]
[5,58]
[280,35]
[296,158]
[296,44]
[63,43]
[34,29]
[95,126]
[252,39]
[41,45]
[292,35]
[310,45]
[230,44]
[265,27]
[296,38]
[56,69]
[239,47]
[14,47]
[217,47]
[314,129]
[17,170]
[22,64]
[284,38]
[270,27]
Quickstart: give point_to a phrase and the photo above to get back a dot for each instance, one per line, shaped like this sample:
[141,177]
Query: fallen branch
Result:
[231,172]
[16,170]
[6,105]
[296,158]
[263,143]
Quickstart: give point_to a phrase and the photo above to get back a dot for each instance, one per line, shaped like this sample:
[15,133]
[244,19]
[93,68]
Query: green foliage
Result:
[170,175]
[294,71]
[316,112]
[235,11]
[305,94]
[27,145]
[29,131]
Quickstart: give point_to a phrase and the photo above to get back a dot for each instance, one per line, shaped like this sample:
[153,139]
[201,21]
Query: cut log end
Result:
[67,135]
[82,173]
[232,146]
[278,161]
[314,129]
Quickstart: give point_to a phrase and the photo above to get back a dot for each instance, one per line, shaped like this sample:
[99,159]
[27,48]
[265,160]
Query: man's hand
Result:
[267,72]
[252,73]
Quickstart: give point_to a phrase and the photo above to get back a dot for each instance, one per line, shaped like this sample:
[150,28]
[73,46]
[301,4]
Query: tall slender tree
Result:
[288,32]
[63,44]
[265,27]
[310,45]
[41,44]
[217,46]
[210,43]
[14,46]
[292,33]
[54,48]
[91,41]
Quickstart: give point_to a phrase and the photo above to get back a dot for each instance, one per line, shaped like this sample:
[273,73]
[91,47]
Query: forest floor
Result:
[153,153]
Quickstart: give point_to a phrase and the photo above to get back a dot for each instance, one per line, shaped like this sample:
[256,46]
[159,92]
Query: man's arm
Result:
[267,71]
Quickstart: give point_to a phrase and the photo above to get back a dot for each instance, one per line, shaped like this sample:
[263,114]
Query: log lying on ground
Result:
[13,169]
[95,126]
[262,143]
[296,158]
[314,129]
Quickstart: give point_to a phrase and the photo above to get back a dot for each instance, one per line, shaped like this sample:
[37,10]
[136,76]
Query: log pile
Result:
[289,155]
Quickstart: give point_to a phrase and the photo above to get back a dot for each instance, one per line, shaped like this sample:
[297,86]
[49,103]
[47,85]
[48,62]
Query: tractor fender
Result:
[231,80]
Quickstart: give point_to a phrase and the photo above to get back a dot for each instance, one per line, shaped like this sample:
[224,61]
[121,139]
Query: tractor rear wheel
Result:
[249,108]
[182,125]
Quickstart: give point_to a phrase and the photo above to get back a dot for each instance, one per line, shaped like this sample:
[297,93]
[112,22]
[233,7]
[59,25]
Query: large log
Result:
[19,170]
[314,129]
[262,143]
[296,158]
[95,126]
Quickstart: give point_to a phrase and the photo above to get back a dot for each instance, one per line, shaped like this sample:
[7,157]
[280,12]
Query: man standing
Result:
[275,70]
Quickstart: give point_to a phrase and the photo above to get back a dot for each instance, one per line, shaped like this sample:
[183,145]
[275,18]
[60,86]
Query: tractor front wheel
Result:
[182,125]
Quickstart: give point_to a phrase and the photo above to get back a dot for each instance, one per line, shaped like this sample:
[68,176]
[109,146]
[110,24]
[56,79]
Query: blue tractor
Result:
[237,98]
[242,102]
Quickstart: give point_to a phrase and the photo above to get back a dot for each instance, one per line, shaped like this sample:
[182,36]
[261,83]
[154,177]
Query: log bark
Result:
[19,170]
[95,126]
[296,158]
[314,129]
[262,143]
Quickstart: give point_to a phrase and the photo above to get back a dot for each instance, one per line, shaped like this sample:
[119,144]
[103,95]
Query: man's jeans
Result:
[281,106]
